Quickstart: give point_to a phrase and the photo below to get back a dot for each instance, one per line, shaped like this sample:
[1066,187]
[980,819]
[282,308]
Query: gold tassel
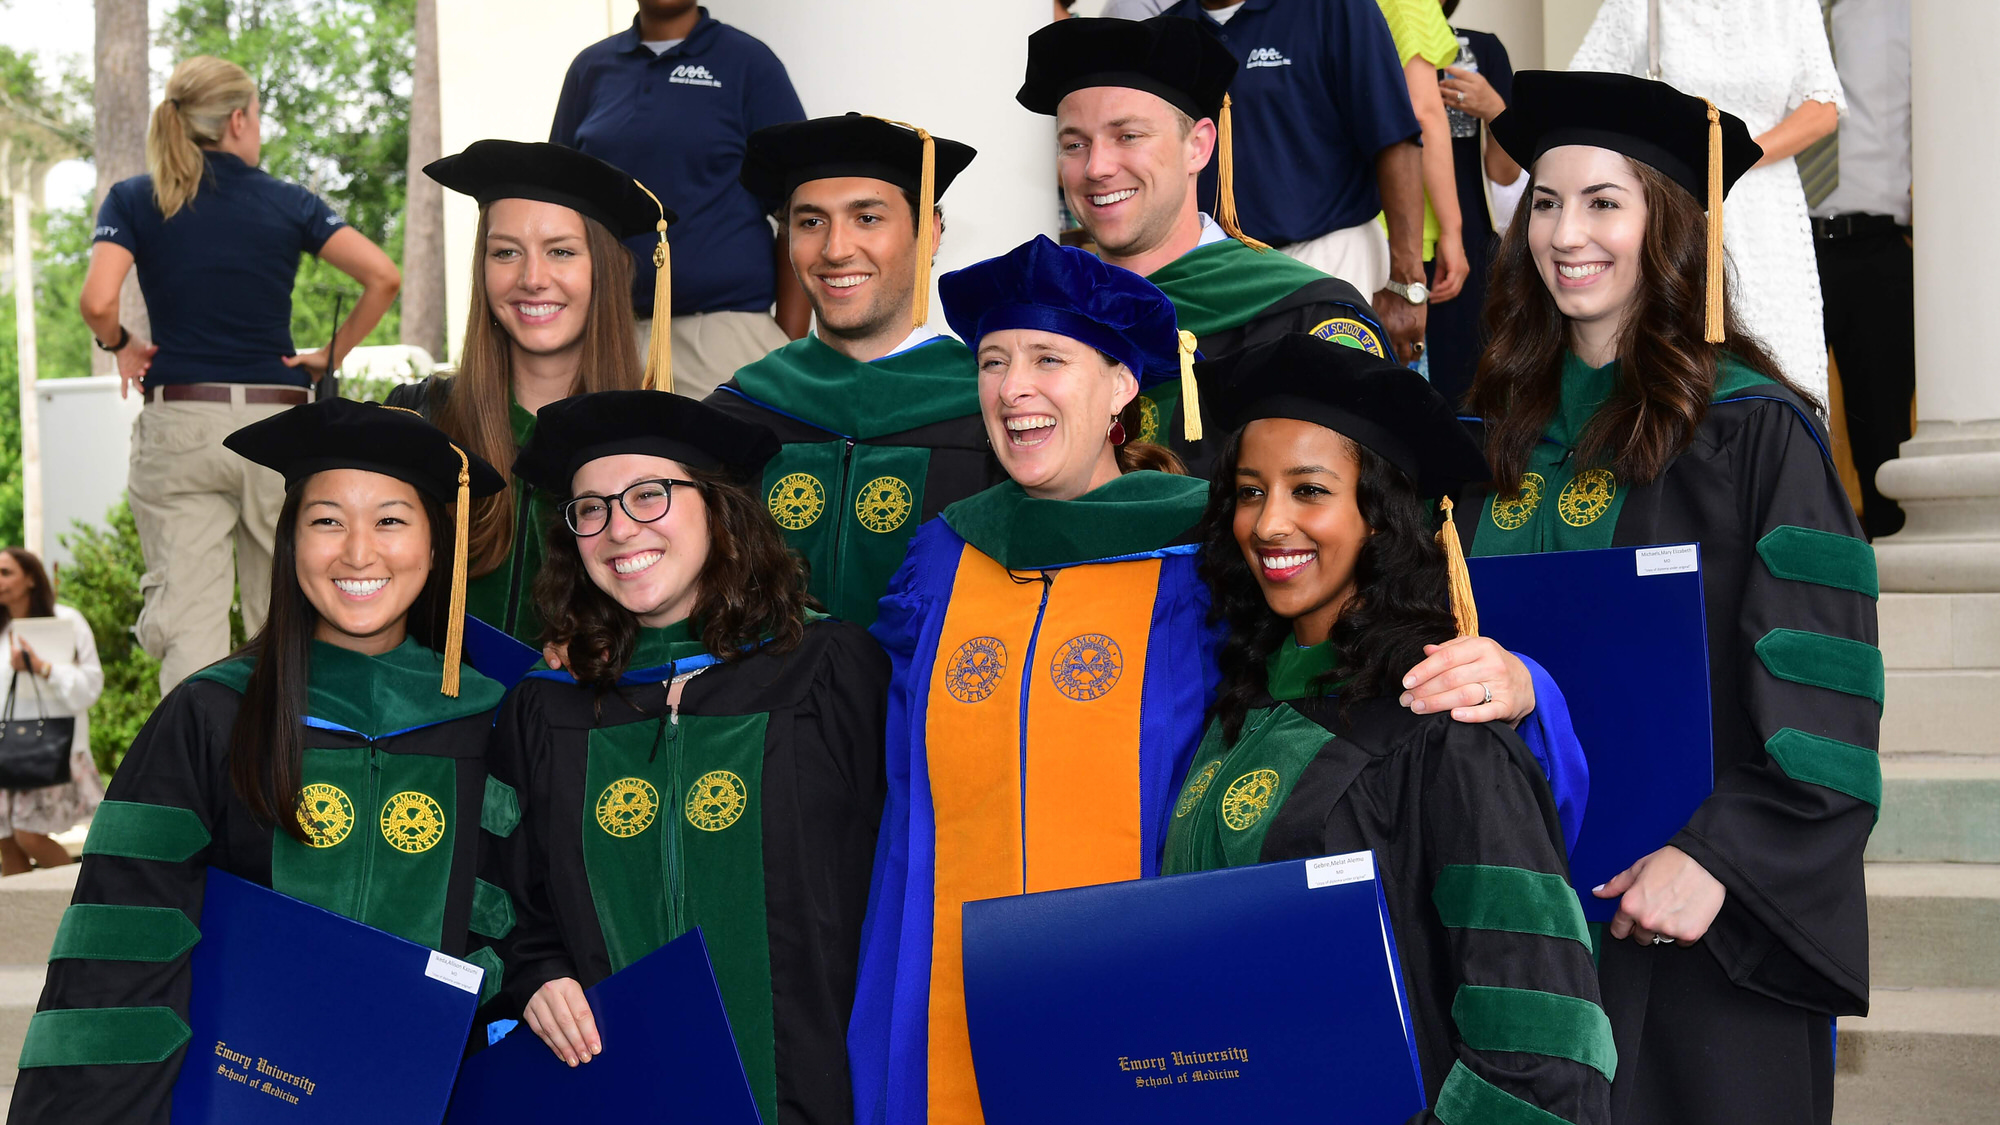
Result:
[1714,333]
[1457,577]
[1225,182]
[660,355]
[1190,393]
[454,633]
[920,300]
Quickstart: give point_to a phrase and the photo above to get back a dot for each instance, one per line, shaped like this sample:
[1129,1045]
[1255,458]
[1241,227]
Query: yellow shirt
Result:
[1419,29]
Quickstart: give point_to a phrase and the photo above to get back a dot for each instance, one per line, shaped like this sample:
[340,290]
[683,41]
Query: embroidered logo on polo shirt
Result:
[1266,56]
[693,74]
[975,669]
[1587,497]
[716,800]
[1087,667]
[412,822]
[796,501]
[1514,512]
[883,505]
[626,807]
[1354,334]
[326,814]
[1245,801]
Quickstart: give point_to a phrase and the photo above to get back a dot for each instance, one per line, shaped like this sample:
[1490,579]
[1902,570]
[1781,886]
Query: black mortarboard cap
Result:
[493,169]
[777,159]
[574,431]
[1685,137]
[338,433]
[1170,57]
[1387,407]
[1380,404]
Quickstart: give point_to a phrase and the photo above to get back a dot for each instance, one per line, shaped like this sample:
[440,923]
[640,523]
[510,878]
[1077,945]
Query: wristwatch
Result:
[1415,292]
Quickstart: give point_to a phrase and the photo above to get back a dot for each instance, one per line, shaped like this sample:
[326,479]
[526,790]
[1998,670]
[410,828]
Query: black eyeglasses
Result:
[644,502]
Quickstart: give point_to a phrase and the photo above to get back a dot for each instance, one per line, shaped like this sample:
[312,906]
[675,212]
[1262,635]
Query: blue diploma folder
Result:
[496,655]
[668,1055]
[302,1015]
[1270,992]
[1623,631]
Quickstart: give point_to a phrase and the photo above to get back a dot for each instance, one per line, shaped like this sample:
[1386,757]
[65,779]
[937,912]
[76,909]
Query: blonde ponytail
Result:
[202,93]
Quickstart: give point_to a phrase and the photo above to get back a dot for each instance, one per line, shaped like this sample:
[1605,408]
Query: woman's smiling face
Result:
[652,569]
[1586,228]
[537,267]
[362,549]
[1049,402]
[1298,520]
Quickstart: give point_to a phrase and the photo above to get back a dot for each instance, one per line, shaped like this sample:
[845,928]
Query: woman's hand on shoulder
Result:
[1666,893]
[1473,678]
[561,1016]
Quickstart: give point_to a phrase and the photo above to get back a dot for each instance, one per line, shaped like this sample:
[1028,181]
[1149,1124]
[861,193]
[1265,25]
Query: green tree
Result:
[103,584]
[334,78]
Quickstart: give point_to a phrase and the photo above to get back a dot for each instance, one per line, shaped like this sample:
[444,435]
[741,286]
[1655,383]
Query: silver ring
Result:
[1488,689]
[1461,95]
[1662,939]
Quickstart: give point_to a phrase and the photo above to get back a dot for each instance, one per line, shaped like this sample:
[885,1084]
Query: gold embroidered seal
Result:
[1587,497]
[412,822]
[1197,788]
[883,505]
[1513,513]
[716,800]
[626,807]
[326,814]
[1149,420]
[796,501]
[1247,798]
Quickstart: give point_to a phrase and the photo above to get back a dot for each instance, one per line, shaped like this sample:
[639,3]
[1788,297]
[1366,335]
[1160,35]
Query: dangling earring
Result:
[1117,434]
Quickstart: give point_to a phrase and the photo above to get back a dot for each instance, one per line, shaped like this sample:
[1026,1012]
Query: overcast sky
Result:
[60,32]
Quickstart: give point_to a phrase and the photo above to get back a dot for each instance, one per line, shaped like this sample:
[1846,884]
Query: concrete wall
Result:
[1564,23]
[913,60]
[1518,23]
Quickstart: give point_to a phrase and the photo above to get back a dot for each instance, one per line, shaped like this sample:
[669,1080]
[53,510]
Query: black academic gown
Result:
[1739,1028]
[171,814]
[1469,852]
[767,785]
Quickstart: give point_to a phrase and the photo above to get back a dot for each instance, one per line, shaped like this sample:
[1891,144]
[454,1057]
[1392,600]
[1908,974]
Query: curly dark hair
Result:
[1401,602]
[752,586]
[1667,370]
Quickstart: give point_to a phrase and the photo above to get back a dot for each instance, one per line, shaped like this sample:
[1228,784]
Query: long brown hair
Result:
[267,744]
[202,93]
[475,413]
[41,597]
[751,587]
[1666,369]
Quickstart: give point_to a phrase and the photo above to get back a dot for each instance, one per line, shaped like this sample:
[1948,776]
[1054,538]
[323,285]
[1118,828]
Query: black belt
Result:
[1854,224]
[254,395]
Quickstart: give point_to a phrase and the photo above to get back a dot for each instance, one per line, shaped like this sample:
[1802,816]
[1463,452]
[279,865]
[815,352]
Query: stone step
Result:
[1934,925]
[31,906]
[1920,1057]
[1938,808]
[20,989]
[1942,711]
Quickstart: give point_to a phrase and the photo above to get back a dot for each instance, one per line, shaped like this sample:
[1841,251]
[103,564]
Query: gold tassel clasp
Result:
[1225,181]
[1190,393]
[1463,609]
[660,353]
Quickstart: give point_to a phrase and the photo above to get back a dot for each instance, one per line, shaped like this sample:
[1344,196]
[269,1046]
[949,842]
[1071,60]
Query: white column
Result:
[24,350]
[1948,475]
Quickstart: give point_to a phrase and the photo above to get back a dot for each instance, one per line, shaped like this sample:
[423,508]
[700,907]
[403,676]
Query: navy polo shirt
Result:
[1318,93]
[217,277]
[678,123]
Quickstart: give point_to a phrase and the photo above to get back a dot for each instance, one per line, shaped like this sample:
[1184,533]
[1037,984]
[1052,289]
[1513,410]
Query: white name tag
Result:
[1333,870]
[454,972]
[1678,559]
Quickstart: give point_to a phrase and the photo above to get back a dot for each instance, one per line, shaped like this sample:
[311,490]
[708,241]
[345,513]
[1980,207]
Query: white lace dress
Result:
[1757,59]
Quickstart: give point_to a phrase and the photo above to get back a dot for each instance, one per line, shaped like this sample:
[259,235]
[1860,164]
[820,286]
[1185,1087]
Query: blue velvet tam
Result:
[1072,293]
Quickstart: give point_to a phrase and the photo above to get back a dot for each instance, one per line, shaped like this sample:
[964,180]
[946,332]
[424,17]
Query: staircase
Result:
[1929,1049]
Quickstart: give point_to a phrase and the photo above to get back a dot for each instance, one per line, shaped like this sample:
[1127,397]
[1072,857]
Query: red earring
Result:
[1117,434]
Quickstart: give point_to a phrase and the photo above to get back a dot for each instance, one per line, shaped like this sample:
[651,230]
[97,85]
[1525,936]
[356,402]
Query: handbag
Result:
[34,753]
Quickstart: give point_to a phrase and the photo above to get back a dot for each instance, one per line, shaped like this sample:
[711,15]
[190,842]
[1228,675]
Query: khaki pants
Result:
[191,501]
[1357,255]
[709,347]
